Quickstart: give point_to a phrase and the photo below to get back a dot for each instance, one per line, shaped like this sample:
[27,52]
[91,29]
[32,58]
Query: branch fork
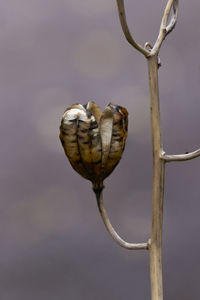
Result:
[165,28]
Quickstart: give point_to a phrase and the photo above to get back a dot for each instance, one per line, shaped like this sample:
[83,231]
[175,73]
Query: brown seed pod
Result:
[94,141]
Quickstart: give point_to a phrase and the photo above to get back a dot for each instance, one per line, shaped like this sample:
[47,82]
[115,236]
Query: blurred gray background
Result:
[53,242]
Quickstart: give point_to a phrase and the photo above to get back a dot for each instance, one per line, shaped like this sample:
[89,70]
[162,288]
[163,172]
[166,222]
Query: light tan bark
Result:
[158,184]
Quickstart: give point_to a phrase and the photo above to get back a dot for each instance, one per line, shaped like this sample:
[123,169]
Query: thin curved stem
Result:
[112,231]
[164,28]
[122,17]
[180,157]
[174,17]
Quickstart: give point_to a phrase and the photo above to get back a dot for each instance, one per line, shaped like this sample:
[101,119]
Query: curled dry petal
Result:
[94,141]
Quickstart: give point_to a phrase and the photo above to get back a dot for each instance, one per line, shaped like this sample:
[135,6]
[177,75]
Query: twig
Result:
[180,157]
[111,230]
[173,21]
[122,17]
[164,28]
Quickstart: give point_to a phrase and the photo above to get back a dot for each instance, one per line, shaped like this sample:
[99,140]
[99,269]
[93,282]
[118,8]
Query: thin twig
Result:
[174,17]
[164,28]
[180,157]
[122,17]
[113,233]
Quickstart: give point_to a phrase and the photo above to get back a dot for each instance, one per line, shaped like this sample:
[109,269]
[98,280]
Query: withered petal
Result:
[84,143]
[69,139]
[75,106]
[96,151]
[89,143]
[95,110]
[119,135]
[106,126]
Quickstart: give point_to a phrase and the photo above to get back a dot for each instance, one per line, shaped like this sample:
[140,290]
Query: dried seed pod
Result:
[94,141]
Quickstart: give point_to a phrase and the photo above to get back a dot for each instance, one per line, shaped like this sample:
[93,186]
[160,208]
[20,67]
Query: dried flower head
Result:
[94,141]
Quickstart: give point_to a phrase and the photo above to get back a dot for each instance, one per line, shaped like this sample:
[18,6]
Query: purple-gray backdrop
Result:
[53,242]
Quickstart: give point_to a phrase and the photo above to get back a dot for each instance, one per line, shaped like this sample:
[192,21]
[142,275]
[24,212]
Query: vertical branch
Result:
[158,184]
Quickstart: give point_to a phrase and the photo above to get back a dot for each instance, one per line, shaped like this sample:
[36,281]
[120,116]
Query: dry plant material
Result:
[93,140]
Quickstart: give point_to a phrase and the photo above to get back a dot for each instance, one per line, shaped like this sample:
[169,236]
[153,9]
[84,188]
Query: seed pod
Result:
[94,141]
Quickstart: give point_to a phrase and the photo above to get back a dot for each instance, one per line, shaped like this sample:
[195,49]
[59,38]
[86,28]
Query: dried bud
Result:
[94,141]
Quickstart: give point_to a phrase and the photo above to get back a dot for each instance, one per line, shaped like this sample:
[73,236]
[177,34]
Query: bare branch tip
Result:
[182,157]
[165,28]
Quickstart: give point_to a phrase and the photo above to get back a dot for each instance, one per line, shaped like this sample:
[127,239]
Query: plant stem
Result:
[158,184]
[111,230]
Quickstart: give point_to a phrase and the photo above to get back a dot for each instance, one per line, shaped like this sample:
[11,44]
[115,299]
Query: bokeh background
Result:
[53,242]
